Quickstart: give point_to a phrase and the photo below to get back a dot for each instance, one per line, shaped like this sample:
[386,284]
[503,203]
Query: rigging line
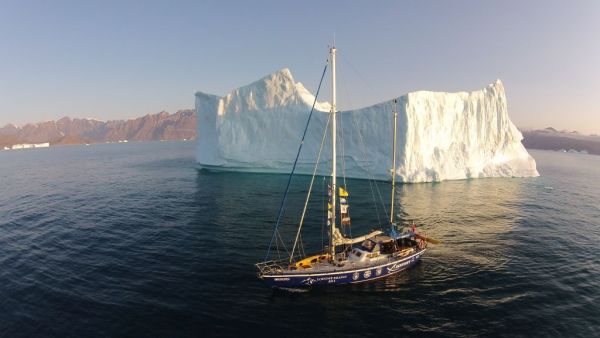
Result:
[341,124]
[362,78]
[373,92]
[379,192]
[277,248]
[312,181]
[371,177]
[381,197]
[282,243]
[374,202]
[381,200]
[344,162]
[287,188]
[300,248]
[343,147]
[323,215]
[343,167]
[303,253]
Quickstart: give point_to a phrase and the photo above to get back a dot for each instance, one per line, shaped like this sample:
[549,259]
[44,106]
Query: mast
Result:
[334,155]
[393,166]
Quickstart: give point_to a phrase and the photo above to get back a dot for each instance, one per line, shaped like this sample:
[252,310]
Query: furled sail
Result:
[339,239]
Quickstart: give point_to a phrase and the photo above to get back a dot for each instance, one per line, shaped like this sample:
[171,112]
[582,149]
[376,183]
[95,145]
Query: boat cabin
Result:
[373,247]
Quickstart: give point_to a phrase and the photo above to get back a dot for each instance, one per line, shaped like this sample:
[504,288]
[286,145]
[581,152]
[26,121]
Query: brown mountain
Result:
[161,126]
[552,139]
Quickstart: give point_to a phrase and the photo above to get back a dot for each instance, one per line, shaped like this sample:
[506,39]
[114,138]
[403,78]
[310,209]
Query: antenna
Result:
[395,111]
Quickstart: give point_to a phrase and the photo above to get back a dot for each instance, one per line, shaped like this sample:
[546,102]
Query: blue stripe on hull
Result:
[341,277]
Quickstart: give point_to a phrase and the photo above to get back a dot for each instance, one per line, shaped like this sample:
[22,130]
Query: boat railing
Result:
[281,265]
[274,266]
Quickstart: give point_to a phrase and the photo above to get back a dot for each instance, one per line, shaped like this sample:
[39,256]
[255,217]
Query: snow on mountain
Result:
[257,128]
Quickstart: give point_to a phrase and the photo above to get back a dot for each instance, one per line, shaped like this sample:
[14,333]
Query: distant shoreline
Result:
[547,139]
[91,144]
[152,127]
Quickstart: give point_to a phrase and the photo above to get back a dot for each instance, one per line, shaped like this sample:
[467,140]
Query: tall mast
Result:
[334,155]
[393,166]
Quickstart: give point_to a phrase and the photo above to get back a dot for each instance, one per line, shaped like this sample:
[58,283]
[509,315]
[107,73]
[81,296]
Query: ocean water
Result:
[132,240]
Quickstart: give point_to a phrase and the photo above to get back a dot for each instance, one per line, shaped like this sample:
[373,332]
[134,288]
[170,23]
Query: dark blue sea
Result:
[132,240]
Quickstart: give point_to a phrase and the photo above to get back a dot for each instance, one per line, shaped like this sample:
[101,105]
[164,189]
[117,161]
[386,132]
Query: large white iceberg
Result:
[441,136]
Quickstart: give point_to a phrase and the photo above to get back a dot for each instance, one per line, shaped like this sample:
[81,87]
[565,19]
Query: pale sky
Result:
[123,59]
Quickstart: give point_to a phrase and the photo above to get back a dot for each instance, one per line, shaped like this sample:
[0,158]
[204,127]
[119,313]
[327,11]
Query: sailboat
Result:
[344,260]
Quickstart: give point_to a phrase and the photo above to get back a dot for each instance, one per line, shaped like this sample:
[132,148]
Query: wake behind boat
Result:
[345,259]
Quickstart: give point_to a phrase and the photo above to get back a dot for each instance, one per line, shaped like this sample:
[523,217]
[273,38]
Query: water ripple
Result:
[132,240]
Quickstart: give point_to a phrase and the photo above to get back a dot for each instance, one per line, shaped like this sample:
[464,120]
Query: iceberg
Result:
[441,136]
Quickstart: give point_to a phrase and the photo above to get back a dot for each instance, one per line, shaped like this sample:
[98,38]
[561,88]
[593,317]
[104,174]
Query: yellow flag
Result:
[343,193]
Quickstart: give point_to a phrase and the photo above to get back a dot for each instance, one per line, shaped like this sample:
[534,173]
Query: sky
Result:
[123,59]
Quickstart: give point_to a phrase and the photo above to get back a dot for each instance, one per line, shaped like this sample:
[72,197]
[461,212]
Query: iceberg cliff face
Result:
[440,136]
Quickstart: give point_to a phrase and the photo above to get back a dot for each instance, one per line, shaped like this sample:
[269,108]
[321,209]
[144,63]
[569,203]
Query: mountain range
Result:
[161,126]
[552,139]
[182,125]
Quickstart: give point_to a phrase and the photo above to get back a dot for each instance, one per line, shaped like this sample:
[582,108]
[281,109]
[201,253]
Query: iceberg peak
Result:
[284,73]
[271,91]
[281,77]
[498,85]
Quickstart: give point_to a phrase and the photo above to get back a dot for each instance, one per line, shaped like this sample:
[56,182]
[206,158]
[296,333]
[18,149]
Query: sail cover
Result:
[339,239]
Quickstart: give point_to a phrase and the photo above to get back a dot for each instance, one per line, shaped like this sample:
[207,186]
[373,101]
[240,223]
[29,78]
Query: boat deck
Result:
[277,267]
